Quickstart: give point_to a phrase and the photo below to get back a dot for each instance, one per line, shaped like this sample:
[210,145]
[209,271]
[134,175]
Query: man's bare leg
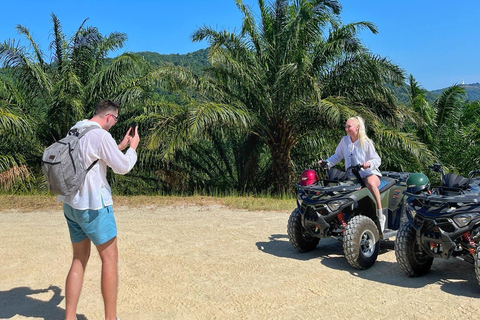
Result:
[73,286]
[109,255]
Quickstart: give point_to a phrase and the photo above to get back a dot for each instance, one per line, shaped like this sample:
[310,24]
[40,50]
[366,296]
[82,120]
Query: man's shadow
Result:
[18,301]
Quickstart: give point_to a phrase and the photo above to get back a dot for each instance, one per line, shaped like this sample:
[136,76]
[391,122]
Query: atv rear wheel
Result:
[413,260]
[360,242]
[477,264]
[299,237]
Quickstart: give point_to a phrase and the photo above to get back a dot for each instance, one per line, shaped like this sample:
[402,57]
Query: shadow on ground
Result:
[279,245]
[21,301]
[455,277]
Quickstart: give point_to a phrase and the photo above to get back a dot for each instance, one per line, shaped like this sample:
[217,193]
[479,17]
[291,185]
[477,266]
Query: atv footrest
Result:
[387,233]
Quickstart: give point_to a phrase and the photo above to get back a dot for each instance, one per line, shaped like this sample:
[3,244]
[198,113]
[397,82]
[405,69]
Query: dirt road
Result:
[211,262]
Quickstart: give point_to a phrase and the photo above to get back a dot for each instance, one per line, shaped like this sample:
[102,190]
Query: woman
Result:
[357,148]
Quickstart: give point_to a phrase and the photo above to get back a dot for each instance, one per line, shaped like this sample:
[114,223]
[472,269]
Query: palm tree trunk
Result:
[282,171]
[281,144]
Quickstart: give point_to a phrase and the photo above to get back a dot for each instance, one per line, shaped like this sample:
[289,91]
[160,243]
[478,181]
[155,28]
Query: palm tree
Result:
[452,123]
[14,130]
[66,89]
[299,71]
[448,126]
[48,97]
[194,143]
[468,146]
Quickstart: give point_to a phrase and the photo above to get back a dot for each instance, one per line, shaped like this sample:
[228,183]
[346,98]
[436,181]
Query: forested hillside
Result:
[196,61]
[472,90]
[402,94]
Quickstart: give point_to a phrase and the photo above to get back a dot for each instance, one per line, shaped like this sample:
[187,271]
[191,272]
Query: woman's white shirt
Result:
[354,154]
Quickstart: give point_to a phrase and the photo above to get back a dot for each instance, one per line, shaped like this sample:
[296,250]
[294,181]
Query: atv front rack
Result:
[459,200]
[314,188]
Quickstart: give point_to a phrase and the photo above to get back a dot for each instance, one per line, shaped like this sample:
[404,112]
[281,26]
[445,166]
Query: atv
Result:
[340,206]
[443,222]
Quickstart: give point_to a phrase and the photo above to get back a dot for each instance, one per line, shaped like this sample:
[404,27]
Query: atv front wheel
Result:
[360,242]
[477,263]
[413,260]
[298,235]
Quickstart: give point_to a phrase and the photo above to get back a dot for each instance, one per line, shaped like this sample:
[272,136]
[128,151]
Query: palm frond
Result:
[407,142]
[38,52]
[12,123]
[58,43]
[447,106]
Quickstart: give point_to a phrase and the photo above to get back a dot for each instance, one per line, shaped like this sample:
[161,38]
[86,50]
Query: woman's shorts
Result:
[97,225]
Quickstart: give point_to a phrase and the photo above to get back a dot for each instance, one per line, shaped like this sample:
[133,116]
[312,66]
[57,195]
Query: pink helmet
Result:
[308,177]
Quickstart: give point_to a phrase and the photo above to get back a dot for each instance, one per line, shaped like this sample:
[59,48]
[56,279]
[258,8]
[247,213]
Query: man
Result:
[89,211]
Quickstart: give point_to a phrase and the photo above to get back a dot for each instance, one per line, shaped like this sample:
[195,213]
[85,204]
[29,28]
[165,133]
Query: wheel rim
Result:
[367,243]
[307,236]
[419,255]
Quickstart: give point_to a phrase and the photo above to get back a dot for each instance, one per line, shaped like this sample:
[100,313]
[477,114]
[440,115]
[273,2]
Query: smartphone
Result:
[132,132]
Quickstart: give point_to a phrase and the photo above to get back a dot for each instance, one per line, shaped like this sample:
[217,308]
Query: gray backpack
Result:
[62,166]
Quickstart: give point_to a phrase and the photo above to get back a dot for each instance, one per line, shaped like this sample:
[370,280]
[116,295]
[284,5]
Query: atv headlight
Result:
[336,204]
[464,219]
[410,210]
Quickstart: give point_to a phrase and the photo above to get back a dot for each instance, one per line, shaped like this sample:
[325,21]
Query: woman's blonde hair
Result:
[362,134]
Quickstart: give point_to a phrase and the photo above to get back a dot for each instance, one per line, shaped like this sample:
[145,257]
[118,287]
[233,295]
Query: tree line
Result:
[271,101]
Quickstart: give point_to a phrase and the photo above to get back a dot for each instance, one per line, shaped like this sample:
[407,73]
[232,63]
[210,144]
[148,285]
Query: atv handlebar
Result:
[356,172]
[437,167]
[324,164]
[355,168]
[470,175]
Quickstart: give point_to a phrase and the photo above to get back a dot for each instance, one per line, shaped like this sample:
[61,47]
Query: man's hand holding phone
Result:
[133,127]
[134,137]
[131,138]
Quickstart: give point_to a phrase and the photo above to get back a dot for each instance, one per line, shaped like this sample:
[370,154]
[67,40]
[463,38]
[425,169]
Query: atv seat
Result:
[386,183]
[452,184]
[452,180]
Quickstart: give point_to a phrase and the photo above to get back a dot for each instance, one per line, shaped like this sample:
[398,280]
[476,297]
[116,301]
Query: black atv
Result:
[340,206]
[443,222]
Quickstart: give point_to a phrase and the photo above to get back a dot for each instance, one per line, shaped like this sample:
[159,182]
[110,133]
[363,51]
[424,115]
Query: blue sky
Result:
[436,41]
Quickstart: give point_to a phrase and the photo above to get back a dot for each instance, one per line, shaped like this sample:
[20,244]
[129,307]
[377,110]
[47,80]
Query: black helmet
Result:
[417,182]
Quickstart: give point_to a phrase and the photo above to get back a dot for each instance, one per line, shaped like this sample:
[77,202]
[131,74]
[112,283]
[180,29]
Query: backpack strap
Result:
[91,166]
[75,132]
[80,135]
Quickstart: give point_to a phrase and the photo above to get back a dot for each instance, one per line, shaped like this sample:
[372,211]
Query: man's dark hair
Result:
[106,106]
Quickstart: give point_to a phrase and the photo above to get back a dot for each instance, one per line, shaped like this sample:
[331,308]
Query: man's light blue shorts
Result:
[97,225]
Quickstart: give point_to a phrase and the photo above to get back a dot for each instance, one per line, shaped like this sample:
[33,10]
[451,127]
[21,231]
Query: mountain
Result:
[472,90]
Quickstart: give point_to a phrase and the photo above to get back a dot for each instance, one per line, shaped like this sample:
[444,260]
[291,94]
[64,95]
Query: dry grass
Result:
[15,173]
[49,203]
